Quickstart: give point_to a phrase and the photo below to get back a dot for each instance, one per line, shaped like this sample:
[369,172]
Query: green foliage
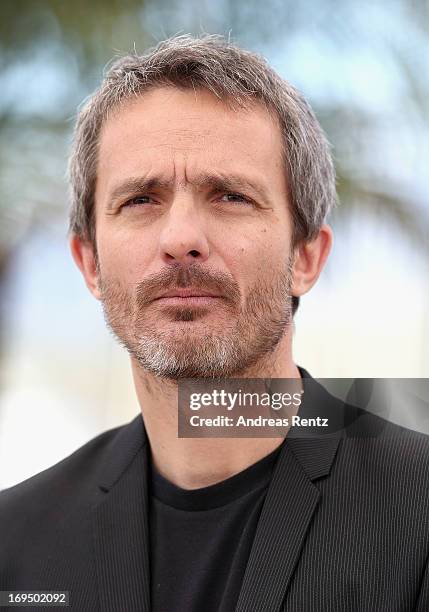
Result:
[52,54]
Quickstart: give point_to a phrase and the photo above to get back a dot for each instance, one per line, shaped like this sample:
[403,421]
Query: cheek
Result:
[258,259]
[124,259]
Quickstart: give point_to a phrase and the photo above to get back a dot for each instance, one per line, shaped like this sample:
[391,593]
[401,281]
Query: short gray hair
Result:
[234,75]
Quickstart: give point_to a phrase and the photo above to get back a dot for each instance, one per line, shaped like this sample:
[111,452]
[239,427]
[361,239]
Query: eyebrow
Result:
[216,182]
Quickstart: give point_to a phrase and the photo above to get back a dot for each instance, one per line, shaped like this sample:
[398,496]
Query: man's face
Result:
[191,199]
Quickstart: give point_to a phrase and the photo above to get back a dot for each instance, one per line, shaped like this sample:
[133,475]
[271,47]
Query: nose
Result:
[183,238]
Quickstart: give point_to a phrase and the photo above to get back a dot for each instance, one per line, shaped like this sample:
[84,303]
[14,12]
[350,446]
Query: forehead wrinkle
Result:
[185,135]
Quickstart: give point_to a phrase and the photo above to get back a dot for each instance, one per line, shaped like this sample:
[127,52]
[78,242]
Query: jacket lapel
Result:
[289,506]
[120,524]
[290,503]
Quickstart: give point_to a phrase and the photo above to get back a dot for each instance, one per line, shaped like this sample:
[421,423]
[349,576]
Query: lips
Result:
[188,293]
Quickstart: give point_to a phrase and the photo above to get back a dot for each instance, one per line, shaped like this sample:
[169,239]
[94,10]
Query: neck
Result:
[191,463]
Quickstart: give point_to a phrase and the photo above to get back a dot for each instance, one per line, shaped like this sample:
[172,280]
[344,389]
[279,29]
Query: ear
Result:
[84,257]
[310,258]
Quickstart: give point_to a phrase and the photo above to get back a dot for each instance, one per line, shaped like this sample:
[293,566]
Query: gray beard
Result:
[252,333]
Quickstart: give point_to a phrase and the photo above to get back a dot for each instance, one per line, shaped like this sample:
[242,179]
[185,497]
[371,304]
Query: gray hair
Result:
[236,76]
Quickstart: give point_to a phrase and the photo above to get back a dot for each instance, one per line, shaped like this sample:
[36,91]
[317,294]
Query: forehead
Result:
[178,133]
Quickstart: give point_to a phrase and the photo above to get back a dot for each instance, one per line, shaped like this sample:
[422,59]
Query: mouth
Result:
[189,300]
[188,297]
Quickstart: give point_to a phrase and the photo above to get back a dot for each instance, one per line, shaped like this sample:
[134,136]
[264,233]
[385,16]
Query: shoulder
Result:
[363,424]
[48,516]
[370,444]
[387,457]
[65,482]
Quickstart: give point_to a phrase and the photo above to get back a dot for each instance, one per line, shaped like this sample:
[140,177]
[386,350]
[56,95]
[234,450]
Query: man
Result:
[201,182]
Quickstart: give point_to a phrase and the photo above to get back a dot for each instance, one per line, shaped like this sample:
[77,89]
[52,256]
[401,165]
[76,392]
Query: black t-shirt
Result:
[201,538]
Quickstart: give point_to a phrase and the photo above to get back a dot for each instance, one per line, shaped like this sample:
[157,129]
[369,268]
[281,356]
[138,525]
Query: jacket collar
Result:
[121,523]
[124,447]
[291,502]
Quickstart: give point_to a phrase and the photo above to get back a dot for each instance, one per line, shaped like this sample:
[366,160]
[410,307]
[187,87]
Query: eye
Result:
[235,197]
[137,201]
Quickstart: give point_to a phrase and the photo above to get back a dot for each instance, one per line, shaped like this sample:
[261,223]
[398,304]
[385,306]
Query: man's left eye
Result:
[138,200]
[235,197]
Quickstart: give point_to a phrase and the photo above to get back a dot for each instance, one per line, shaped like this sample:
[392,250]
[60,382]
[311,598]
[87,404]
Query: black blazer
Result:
[344,526]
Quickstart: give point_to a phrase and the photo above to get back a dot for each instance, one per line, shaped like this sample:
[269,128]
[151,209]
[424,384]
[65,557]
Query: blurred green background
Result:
[364,68]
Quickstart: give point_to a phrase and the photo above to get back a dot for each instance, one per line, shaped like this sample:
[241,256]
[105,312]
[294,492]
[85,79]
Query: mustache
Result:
[194,275]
